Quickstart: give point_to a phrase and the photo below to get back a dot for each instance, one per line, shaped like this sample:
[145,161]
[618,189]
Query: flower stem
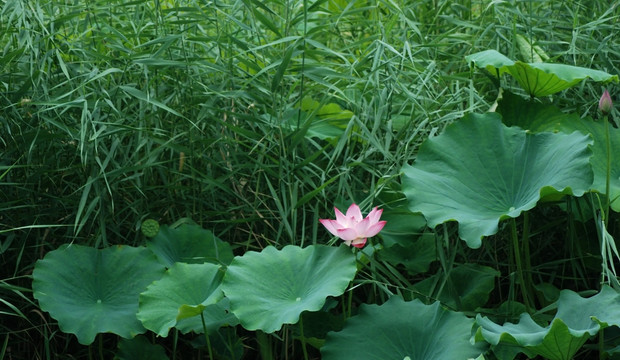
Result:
[349,304]
[608,178]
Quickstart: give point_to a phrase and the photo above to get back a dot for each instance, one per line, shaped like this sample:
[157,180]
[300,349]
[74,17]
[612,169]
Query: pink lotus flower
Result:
[605,104]
[352,227]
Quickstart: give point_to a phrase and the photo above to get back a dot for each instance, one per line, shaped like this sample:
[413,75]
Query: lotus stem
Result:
[525,239]
[601,345]
[517,253]
[349,304]
[302,337]
[204,327]
[174,344]
[100,346]
[607,180]
[264,345]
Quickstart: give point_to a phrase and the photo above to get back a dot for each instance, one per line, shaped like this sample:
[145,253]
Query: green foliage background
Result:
[252,118]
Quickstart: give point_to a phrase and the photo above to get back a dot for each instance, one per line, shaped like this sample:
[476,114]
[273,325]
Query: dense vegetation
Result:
[254,119]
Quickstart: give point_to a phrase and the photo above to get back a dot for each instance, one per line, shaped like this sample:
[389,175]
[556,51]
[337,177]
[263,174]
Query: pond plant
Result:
[491,236]
[484,169]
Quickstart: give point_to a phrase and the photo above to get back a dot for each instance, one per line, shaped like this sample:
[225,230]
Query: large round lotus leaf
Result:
[404,241]
[555,342]
[273,287]
[416,256]
[576,320]
[538,79]
[479,172]
[190,244]
[538,117]
[400,330]
[91,291]
[532,114]
[402,227]
[139,348]
[215,316]
[183,292]
[317,324]
[585,313]
[467,288]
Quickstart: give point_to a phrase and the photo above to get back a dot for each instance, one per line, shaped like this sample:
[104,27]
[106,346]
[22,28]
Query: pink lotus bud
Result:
[352,228]
[605,104]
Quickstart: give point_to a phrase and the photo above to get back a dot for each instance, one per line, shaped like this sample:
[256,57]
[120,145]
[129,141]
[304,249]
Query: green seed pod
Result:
[150,227]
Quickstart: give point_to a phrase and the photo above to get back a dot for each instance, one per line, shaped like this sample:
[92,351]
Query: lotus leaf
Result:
[215,317]
[479,172]
[538,79]
[403,330]
[416,255]
[402,227]
[467,288]
[273,287]
[139,348]
[189,243]
[576,320]
[183,292]
[91,291]
[539,117]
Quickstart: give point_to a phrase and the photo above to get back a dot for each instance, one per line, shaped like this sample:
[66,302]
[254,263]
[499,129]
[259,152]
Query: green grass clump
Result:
[251,118]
